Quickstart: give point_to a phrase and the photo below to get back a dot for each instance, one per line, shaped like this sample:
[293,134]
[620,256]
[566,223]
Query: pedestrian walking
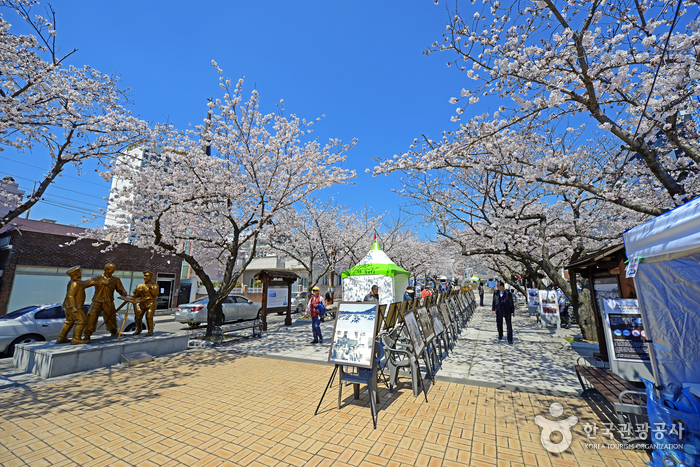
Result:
[481,293]
[409,294]
[312,309]
[502,307]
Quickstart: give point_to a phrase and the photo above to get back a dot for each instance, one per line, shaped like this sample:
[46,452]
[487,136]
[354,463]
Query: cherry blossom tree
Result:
[320,235]
[74,113]
[525,227]
[554,67]
[203,193]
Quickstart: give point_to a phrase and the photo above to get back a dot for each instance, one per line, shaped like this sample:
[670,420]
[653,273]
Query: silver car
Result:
[299,302]
[235,308]
[42,323]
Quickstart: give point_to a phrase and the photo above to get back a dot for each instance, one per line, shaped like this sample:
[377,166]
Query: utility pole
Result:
[26,216]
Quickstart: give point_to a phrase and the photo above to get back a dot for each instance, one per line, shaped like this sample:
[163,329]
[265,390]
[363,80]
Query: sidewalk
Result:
[211,407]
[535,363]
[235,406]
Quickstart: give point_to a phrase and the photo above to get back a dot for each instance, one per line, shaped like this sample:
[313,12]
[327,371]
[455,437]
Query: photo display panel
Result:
[354,334]
[435,316]
[426,324]
[414,333]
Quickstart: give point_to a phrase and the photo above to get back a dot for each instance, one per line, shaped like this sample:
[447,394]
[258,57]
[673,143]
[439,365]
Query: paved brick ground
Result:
[216,408]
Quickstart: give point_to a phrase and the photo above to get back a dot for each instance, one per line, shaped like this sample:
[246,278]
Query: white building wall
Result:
[115,216]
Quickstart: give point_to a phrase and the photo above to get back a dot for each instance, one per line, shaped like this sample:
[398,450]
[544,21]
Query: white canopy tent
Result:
[376,268]
[668,290]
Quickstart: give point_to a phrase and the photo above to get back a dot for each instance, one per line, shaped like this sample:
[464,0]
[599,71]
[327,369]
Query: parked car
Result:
[299,301]
[43,323]
[235,308]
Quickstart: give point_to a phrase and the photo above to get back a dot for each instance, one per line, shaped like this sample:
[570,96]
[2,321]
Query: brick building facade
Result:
[33,264]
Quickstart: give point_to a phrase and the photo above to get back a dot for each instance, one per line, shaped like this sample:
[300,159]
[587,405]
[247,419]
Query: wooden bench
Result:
[628,401]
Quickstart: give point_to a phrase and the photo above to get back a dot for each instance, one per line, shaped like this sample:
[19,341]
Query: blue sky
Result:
[359,63]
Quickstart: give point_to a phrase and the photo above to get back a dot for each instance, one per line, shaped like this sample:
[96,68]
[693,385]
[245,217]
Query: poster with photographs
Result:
[460,302]
[353,334]
[426,324]
[445,312]
[549,306]
[414,333]
[435,316]
[533,298]
[453,307]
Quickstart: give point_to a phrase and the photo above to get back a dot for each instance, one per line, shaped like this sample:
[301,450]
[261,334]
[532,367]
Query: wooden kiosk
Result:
[277,293]
[605,271]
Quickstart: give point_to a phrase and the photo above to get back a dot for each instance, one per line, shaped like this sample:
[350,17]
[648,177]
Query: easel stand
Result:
[367,376]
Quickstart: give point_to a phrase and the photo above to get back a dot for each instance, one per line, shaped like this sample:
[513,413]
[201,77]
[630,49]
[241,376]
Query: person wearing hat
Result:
[103,301]
[148,293]
[315,319]
[73,305]
[409,294]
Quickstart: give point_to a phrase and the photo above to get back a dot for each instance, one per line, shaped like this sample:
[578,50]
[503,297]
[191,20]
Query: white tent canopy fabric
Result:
[668,290]
[675,233]
[376,268]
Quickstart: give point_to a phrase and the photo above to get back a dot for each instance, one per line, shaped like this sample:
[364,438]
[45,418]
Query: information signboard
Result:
[277,297]
[626,336]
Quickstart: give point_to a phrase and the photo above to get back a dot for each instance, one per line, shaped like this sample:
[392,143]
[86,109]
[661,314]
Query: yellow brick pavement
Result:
[214,408]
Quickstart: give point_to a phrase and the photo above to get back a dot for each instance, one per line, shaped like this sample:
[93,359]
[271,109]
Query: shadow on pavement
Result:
[115,387]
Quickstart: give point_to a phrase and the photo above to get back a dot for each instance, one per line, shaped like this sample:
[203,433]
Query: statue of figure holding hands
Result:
[148,295]
[73,305]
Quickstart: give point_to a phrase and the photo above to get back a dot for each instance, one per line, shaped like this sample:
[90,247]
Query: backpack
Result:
[321,309]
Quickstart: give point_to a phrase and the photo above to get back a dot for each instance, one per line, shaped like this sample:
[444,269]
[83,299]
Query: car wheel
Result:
[28,339]
[259,314]
[193,325]
[130,328]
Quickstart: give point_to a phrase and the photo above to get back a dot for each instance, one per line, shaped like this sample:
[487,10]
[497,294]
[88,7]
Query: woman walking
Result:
[315,320]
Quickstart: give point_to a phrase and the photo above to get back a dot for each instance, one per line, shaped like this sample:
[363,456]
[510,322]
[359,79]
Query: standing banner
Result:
[533,298]
[626,338]
[628,351]
[549,306]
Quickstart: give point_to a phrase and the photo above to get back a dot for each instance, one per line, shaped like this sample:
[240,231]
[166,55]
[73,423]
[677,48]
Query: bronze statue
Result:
[103,301]
[73,305]
[148,293]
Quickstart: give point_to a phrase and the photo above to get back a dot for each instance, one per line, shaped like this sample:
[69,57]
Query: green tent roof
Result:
[376,262]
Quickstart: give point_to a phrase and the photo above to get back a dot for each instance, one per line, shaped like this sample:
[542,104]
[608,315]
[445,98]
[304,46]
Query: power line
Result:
[75,200]
[57,187]
[71,209]
[42,168]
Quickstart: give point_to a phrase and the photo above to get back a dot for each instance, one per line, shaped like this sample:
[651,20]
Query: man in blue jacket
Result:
[502,306]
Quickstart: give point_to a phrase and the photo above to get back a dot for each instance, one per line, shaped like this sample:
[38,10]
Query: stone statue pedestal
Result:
[48,360]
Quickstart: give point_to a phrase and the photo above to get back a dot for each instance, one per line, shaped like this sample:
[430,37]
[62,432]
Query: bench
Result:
[256,325]
[629,402]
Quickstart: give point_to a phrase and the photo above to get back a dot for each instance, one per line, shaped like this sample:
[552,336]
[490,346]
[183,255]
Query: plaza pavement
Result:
[237,406]
[536,362]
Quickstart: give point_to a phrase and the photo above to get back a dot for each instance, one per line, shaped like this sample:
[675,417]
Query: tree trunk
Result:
[586,319]
[215,316]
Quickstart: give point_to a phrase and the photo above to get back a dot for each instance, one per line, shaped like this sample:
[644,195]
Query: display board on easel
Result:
[414,333]
[354,334]
[426,324]
[435,316]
